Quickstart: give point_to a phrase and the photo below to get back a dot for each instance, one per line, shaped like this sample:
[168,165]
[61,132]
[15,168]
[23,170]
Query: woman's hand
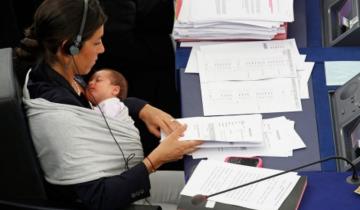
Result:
[156,119]
[171,149]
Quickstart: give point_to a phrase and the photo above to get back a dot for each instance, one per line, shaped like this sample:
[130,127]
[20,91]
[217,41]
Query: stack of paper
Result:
[251,77]
[227,131]
[243,135]
[248,78]
[232,19]
[279,139]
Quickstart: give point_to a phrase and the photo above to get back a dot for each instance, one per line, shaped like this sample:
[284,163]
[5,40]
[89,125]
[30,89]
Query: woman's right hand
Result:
[171,149]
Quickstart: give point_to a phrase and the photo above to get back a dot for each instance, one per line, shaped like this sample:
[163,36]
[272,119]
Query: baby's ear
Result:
[116,90]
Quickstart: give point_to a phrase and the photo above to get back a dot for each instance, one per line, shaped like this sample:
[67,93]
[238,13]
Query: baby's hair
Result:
[118,79]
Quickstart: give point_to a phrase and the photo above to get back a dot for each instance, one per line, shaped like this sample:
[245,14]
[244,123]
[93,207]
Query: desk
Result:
[325,190]
[307,32]
[305,121]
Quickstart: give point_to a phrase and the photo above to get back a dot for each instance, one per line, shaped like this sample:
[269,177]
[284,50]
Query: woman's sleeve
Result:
[134,105]
[115,192]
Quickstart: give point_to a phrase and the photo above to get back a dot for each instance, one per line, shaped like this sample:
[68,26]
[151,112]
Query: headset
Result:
[74,48]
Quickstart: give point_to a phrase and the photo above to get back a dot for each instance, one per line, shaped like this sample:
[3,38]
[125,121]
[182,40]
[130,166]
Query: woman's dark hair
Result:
[56,21]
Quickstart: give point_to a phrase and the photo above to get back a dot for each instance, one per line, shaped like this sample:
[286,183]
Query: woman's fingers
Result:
[165,127]
[173,124]
[192,146]
[154,131]
[178,132]
[190,150]
[171,148]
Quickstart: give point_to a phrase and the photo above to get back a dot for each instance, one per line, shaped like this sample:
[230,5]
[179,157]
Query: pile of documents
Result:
[239,81]
[232,19]
[242,135]
[251,77]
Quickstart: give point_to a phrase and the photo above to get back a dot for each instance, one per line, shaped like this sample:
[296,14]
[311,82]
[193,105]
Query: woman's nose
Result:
[101,49]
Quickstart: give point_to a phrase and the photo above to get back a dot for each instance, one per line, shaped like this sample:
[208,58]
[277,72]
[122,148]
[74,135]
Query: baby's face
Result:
[100,87]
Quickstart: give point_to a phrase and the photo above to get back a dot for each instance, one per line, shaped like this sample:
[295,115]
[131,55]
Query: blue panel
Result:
[313,23]
[331,54]
[322,110]
[182,56]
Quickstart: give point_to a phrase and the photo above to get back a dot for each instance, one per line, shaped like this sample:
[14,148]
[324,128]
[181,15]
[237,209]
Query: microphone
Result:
[353,179]
[80,80]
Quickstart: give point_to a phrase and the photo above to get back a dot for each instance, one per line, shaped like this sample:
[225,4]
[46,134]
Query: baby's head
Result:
[104,84]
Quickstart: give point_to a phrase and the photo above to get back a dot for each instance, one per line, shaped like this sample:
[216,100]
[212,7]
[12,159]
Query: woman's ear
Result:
[65,45]
[62,56]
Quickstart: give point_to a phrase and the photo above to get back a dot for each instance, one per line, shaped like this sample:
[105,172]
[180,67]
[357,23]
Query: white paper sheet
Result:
[213,176]
[242,128]
[275,10]
[303,79]
[223,144]
[244,47]
[264,64]
[280,139]
[232,19]
[245,97]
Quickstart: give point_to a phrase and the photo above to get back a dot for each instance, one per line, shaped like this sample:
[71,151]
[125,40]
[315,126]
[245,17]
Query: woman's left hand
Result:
[156,120]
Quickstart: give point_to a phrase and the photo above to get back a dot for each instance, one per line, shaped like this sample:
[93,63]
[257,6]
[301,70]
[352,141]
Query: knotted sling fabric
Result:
[74,144]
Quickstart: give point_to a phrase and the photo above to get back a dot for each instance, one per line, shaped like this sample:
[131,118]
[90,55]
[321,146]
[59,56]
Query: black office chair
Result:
[22,185]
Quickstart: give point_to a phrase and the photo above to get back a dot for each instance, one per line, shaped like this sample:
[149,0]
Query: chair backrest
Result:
[21,176]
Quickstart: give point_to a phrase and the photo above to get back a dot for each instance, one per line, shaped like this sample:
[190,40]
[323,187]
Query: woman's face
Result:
[89,52]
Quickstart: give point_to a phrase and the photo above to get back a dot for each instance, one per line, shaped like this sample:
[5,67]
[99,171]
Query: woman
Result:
[79,159]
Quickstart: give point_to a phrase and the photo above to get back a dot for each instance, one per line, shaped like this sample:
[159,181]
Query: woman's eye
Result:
[98,43]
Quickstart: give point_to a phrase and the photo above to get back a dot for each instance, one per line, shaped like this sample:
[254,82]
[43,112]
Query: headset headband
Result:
[74,49]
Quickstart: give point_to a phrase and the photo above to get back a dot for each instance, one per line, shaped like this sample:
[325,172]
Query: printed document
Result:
[214,176]
[248,97]
[241,128]
[264,64]
[232,19]
[274,10]
[240,48]
[280,139]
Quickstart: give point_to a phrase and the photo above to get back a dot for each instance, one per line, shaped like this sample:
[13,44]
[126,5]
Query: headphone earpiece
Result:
[74,48]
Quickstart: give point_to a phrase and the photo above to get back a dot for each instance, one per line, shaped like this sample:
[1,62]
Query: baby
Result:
[105,90]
